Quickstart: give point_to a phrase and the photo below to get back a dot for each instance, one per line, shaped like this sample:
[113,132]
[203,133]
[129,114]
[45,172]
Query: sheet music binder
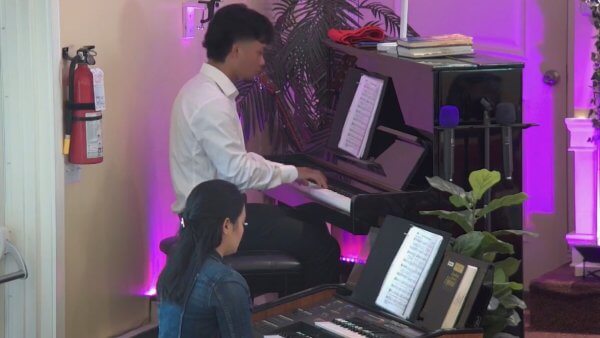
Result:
[389,240]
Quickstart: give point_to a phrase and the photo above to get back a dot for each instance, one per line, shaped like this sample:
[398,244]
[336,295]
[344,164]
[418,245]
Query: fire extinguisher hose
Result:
[69,114]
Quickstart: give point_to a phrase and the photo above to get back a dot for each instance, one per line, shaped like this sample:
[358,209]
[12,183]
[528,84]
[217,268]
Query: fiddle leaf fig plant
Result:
[485,245]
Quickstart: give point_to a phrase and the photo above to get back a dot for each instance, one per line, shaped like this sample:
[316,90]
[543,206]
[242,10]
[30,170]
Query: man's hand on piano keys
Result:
[306,175]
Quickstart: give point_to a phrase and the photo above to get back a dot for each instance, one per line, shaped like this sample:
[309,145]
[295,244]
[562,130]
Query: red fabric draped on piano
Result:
[349,37]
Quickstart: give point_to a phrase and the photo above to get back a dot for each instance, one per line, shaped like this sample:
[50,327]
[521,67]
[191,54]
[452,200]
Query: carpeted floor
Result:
[561,302]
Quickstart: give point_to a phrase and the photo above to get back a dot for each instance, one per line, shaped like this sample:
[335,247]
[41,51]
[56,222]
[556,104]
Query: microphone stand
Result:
[486,163]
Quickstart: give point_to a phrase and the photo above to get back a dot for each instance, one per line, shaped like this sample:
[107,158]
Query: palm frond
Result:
[391,20]
[299,111]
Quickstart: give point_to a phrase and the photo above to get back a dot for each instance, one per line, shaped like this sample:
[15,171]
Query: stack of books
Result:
[429,46]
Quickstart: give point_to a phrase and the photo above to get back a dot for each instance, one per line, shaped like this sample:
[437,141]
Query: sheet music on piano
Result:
[406,275]
[358,124]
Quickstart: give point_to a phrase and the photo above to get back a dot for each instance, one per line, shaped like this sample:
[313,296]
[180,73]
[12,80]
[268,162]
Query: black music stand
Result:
[589,254]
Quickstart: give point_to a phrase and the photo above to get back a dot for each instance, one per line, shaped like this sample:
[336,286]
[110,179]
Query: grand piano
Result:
[403,143]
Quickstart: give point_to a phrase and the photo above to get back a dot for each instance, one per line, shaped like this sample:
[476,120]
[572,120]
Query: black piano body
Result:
[403,145]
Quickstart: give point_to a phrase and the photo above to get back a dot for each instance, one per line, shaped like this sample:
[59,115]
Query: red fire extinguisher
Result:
[83,122]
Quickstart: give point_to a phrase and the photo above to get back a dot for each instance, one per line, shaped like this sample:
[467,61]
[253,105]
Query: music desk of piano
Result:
[328,305]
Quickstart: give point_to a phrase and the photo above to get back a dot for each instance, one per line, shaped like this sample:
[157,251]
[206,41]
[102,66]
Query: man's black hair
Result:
[235,23]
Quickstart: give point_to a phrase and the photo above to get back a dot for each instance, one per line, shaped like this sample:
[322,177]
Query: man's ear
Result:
[235,50]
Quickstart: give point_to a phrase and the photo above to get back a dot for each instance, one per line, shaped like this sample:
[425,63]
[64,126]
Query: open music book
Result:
[404,280]
[359,121]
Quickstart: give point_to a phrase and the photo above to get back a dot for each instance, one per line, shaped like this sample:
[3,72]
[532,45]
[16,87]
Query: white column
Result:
[585,185]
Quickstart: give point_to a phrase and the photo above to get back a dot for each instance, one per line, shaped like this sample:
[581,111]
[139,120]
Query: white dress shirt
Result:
[207,142]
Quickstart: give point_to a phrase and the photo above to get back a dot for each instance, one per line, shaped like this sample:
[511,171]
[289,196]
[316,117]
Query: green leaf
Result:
[514,319]
[493,304]
[504,201]
[488,256]
[492,244]
[459,217]
[468,243]
[443,185]
[459,201]
[495,321]
[502,290]
[509,266]
[511,285]
[499,233]
[482,180]
[512,301]
[500,276]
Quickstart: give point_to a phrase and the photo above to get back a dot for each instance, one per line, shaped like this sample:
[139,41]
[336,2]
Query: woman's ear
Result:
[227,226]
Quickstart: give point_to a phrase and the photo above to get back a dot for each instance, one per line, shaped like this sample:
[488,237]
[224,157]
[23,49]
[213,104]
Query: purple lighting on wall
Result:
[161,221]
[352,260]
[162,224]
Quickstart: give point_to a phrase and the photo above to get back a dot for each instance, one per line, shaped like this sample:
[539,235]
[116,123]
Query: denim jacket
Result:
[219,306]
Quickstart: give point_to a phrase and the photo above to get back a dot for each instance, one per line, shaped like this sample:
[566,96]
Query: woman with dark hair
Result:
[199,295]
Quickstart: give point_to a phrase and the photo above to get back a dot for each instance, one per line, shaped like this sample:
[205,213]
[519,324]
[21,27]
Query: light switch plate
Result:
[191,15]
[72,173]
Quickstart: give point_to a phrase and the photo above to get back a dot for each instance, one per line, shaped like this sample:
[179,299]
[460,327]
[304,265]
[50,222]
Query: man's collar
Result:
[220,79]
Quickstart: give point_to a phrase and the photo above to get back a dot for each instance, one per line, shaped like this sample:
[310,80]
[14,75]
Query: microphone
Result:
[486,105]
[449,117]
[505,116]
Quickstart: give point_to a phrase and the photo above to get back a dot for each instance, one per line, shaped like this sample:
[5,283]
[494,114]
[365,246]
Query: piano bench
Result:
[265,270]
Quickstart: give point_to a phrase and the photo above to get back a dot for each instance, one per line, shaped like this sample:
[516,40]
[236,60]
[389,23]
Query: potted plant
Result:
[484,245]
[291,99]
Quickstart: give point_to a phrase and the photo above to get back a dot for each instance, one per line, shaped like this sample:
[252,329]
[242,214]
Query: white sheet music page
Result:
[407,273]
[361,115]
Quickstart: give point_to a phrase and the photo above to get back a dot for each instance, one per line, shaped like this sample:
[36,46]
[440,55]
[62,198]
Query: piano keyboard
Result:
[339,330]
[351,328]
[326,196]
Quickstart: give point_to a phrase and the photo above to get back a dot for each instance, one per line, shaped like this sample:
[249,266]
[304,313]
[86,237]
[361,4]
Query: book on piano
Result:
[436,41]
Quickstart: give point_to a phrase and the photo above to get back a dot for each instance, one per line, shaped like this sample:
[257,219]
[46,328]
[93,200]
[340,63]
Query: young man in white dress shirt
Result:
[206,142]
